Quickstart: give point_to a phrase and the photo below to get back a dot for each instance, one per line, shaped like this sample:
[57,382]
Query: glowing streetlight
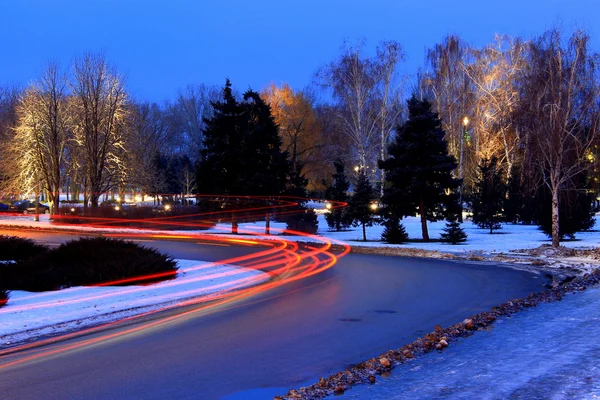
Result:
[373,206]
[356,169]
[117,208]
[465,122]
[167,207]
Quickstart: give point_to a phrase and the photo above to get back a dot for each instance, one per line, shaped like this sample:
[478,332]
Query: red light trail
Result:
[282,259]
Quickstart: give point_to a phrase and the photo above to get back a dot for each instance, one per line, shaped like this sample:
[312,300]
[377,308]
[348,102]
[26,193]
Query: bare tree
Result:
[100,112]
[39,144]
[352,80]
[494,73]
[389,54]
[186,116]
[561,106]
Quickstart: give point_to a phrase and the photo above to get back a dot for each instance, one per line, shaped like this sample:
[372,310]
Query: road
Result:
[263,345]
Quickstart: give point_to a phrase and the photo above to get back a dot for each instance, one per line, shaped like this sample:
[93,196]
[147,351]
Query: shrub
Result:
[14,248]
[3,297]
[90,261]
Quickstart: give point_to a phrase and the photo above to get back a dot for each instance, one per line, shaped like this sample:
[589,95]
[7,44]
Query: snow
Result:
[29,315]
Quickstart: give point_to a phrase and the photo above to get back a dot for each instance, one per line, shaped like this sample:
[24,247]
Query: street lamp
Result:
[460,164]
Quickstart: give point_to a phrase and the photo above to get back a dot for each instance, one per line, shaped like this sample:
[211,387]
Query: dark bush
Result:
[3,297]
[14,248]
[90,261]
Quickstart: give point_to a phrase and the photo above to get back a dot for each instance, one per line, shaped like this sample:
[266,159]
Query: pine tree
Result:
[453,233]
[394,231]
[360,204]
[489,196]
[419,169]
[337,218]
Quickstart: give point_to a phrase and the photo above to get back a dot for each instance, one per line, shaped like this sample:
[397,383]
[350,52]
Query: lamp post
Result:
[460,165]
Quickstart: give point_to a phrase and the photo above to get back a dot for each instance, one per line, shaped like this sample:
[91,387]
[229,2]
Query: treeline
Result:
[526,110]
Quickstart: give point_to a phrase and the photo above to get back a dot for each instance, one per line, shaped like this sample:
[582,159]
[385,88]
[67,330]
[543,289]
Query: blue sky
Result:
[161,46]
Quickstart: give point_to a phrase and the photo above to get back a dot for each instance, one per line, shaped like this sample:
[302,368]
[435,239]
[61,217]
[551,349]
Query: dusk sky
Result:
[162,46]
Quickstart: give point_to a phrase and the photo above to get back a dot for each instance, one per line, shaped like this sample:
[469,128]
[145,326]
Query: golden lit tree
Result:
[100,113]
[38,146]
[298,128]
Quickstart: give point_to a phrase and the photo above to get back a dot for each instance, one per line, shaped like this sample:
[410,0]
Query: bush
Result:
[3,297]
[394,232]
[14,248]
[89,261]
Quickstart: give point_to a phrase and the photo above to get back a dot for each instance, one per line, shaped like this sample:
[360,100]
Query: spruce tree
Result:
[453,233]
[489,196]
[360,204]
[337,218]
[419,169]
[514,203]
[303,219]
[241,154]
[394,231]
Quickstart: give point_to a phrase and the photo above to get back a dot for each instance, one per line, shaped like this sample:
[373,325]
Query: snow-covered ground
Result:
[28,314]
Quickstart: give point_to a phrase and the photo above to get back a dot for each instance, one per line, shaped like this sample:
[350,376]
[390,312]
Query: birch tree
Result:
[352,80]
[560,102]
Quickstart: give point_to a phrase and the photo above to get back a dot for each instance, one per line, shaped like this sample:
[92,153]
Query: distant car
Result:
[28,207]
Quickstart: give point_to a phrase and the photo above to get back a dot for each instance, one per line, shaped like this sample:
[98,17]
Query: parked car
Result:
[4,207]
[28,207]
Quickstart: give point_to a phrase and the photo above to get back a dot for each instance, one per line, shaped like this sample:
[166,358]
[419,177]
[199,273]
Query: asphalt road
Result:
[284,338]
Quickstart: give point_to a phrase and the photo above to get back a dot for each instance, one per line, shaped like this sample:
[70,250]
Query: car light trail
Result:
[284,260]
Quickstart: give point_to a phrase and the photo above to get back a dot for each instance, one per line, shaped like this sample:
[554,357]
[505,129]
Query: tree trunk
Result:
[55,202]
[268,224]
[364,233]
[234,224]
[423,220]
[555,221]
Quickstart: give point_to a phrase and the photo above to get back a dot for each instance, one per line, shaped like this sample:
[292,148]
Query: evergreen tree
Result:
[514,203]
[489,196]
[359,206]
[337,218]
[419,169]
[241,153]
[241,149]
[303,219]
[394,231]
[453,233]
